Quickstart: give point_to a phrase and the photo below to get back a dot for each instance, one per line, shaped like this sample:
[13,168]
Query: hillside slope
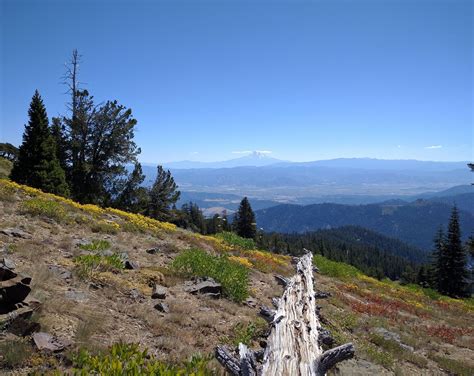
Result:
[396,330]
[414,223]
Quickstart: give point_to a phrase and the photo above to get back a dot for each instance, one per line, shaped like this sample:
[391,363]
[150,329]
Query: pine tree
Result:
[58,133]
[439,277]
[244,221]
[37,164]
[133,197]
[163,194]
[456,263]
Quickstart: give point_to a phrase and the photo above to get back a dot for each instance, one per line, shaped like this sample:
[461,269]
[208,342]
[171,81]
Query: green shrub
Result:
[105,227]
[127,359]
[45,208]
[15,353]
[233,239]
[398,351]
[247,333]
[96,245]
[233,276]
[5,168]
[88,264]
[380,357]
[454,367]
[334,268]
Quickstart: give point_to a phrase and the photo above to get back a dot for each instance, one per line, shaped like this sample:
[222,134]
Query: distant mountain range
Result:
[254,159]
[294,182]
[414,223]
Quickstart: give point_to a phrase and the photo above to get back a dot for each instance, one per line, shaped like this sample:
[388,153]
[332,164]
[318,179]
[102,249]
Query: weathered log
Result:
[267,313]
[282,280]
[329,358]
[294,343]
[224,356]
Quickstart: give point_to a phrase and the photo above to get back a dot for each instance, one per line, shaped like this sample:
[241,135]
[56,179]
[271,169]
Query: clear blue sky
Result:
[306,80]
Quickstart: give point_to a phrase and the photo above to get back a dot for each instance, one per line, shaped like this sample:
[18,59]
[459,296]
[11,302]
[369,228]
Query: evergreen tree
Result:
[163,194]
[133,197]
[37,164]
[58,133]
[244,221]
[439,277]
[456,262]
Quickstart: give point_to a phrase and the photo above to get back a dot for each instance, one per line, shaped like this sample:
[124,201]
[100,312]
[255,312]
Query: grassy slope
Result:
[100,308]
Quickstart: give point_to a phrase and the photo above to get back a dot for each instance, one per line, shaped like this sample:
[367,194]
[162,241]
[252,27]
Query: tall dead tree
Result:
[296,336]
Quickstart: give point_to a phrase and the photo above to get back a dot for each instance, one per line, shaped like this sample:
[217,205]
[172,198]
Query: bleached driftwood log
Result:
[294,344]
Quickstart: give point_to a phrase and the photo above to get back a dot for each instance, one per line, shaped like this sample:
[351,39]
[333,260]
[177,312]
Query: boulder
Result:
[159,292]
[47,342]
[162,307]
[205,286]
[7,263]
[60,272]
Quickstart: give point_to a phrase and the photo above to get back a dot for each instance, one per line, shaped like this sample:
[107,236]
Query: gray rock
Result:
[107,252]
[153,251]
[7,263]
[162,307]
[47,342]
[16,233]
[60,272]
[135,295]
[77,296]
[159,292]
[206,286]
[131,265]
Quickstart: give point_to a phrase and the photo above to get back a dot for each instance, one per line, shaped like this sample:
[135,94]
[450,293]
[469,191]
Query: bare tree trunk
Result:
[294,344]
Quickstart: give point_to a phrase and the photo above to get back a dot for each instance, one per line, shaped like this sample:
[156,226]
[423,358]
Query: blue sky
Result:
[205,79]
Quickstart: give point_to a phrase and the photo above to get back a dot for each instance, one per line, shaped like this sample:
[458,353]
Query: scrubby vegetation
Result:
[233,276]
[128,359]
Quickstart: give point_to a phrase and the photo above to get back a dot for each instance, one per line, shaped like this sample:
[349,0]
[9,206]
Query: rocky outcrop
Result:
[14,289]
[48,342]
[205,286]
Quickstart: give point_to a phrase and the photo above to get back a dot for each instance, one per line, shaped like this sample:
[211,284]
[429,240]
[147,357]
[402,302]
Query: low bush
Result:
[127,359]
[96,245]
[105,227]
[247,333]
[15,353]
[334,268]
[233,239]
[45,208]
[233,276]
[89,264]
[398,351]
[454,367]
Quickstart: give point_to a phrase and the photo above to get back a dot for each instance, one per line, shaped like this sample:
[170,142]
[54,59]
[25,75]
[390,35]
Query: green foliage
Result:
[383,358]
[244,222]
[45,208]
[133,197]
[453,366]
[335,269]
[128,360]
[450,260]
[89,264]
[37,164]
[163,194]
[233,276]
[96,245]
[233,239]
[15,352]
[398,351]
[247,333]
